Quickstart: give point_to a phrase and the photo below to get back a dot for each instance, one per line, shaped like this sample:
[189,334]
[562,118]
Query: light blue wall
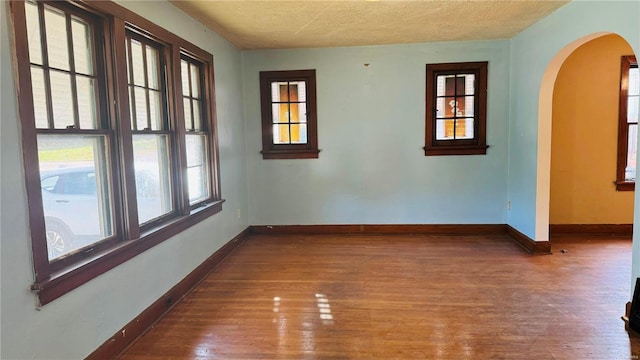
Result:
[74,325]
[372,169]
[531,52]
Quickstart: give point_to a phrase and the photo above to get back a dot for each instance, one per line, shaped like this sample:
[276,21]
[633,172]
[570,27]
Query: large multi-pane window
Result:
[289,122]
[72,136]
[456,109]
[118,132]
[628,123]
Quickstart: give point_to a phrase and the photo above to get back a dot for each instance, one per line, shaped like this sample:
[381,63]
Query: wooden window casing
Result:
[197,122]
[111,29]
[453,124]
[305,146]
[624,124]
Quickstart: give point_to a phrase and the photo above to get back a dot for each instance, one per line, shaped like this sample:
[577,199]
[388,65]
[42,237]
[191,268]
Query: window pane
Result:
[297,91]
[280,134]
[33,33]
[444,85]
[184,73]
[275,113]
[280,113]
[152,67]
[444,130]
[279,92]
[153,181]
[440,107]
[195,81]
[197,118]
[39,98]
[302,112]
[298,133]
[86,103]
[630,170]
[469,84]
[76,194]
[458,106]
[57,46]
[294,113]
[61,99]
[463,106]
[137,66]
[464,128]
[632,109]
[458,86]
[188,124]
[469,106]
[449,107]
[82,47]
[197,168]
[634,81]
[126,48]
[155,109]
[140,116]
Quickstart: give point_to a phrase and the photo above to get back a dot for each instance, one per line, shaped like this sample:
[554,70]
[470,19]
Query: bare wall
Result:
[371,124]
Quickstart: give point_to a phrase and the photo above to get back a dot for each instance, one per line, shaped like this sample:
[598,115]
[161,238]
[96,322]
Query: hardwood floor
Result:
[403,297]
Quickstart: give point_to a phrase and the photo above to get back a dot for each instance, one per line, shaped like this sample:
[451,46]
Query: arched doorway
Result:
[545,115]
[584,140]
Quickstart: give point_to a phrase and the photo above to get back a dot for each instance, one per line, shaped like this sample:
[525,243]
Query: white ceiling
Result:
[264,24]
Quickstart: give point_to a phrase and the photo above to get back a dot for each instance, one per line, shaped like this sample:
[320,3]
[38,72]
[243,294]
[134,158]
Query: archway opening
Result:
[545,125]
[584,196]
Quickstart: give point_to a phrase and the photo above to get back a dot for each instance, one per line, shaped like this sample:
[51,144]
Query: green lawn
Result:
[85,153]
[69,154]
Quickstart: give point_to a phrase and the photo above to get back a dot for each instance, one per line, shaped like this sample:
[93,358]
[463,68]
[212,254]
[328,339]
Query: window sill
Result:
[290,154]
[455,150]
[70,278]
[625,185]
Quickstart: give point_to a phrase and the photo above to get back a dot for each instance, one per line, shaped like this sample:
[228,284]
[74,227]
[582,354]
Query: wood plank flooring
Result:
[403,297]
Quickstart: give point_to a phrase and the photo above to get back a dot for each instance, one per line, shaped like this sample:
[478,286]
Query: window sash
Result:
[77,215]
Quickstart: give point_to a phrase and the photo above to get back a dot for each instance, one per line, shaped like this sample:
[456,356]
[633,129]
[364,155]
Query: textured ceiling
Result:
[251,24]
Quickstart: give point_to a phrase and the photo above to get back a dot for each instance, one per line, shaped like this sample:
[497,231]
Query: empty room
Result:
[319,180]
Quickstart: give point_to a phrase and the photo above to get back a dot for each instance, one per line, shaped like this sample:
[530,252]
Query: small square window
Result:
[456,106]
[289,122]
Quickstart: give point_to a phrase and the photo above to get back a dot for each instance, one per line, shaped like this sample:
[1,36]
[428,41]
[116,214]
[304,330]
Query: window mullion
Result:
[133,122]
[146,85]
[72,72]
[45,66]
[191,109]
[179,129]
[455,107]
[126,124]
[170,56]
[289,111]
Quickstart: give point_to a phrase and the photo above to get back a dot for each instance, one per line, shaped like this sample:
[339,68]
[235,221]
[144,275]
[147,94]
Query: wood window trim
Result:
[289,151]
[207,89]
[475,146]
[54,279]
[626,63]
